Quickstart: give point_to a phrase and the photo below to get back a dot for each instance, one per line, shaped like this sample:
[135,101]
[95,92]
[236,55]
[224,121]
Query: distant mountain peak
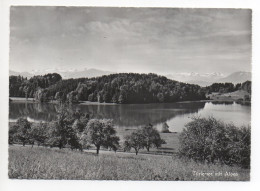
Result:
[237,77]
[24,74]
[206,79]
[86,73]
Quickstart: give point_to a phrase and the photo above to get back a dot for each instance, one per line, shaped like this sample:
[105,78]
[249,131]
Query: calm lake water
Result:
[134,115]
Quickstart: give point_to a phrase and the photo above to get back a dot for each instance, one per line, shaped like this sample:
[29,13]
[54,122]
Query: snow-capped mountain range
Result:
[24,74]
[207,79]
[237,77]
[89,73]
[202,79]
[85,73]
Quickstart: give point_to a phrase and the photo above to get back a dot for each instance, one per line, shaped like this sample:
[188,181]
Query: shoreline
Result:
[31,100]
[21,99]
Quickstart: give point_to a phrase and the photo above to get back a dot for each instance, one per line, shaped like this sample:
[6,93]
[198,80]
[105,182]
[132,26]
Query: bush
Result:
[210,140]
[12,134]
[20,132]
[39,133]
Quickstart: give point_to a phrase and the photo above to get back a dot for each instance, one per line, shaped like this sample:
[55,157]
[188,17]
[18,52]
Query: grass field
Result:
[46,163]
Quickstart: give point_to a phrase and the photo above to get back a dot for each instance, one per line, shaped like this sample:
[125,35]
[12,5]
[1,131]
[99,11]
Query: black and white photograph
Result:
[129,93]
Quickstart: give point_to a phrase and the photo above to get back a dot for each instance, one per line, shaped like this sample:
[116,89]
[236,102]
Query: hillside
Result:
[201,79]
[113,88]
[232,96]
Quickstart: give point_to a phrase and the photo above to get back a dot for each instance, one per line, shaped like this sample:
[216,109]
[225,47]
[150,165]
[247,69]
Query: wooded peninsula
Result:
[122,88]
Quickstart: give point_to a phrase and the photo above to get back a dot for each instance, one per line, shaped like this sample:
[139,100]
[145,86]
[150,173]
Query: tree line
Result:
[23,87]
[229,87]
[120,88]
[78,131]
[115,88]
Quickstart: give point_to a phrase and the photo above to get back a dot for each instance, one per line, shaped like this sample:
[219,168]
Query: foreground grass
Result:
[45,163]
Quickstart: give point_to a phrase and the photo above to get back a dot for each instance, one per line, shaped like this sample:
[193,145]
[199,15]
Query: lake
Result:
[135,115]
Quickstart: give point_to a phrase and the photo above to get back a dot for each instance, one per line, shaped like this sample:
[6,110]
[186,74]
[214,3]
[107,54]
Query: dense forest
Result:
[115,88]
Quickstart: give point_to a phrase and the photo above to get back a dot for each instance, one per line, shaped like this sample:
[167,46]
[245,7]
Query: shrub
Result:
[39,133]
[12,134]
[210,140]
[20,132]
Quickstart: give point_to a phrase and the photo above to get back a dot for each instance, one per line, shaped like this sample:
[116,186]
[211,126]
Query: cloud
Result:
[130,39]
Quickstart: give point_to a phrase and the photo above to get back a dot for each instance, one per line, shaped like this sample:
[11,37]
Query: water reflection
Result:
[133,115]
[239,115]
[123,115]
[222,102]
[34,111]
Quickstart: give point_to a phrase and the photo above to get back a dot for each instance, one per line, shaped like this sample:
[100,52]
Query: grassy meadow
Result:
[231,96]
[45,163]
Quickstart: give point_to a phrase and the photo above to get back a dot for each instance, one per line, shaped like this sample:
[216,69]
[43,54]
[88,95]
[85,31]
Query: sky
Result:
[142,40]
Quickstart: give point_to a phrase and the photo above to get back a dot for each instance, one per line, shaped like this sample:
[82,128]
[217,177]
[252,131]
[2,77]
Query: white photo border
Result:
[7,184]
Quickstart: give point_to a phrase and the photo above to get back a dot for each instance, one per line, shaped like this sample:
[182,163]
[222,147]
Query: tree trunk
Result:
[60,144]
[136,151]
[98,147]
